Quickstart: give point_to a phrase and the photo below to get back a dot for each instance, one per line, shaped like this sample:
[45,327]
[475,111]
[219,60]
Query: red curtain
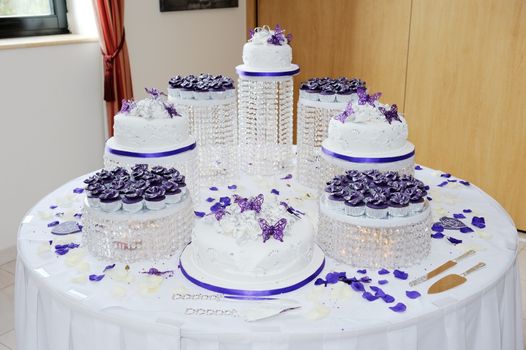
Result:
[117,74]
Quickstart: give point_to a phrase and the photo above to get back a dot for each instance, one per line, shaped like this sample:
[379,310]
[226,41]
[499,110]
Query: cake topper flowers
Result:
[155,93]
[265,34]
[276,230]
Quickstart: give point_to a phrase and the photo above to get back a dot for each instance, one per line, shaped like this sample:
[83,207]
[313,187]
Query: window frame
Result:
[24,26]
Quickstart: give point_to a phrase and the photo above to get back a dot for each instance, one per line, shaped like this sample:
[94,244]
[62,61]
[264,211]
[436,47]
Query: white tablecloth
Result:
[57,308]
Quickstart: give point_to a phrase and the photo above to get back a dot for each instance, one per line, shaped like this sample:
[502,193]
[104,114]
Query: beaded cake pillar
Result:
[214,125]
[265,120]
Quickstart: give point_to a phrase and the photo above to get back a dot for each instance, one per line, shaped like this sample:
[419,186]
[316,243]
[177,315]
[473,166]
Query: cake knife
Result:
[445,266]
[453,280]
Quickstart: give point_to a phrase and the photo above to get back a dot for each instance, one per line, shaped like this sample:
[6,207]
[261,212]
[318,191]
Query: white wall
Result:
[52,124]
[164,44]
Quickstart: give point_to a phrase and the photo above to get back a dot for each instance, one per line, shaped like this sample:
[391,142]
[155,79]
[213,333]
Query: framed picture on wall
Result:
[184,5]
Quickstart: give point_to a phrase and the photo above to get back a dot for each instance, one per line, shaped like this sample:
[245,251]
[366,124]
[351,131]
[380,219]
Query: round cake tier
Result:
[138,132]
[183,157]
[375,243]
[149,234]
[264,56]
[247,260]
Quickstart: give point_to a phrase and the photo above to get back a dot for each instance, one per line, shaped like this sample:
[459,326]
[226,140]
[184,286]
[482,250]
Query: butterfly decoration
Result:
[170,109]
[253,203]
[342,117]
[155,93]
[276,230]
[292,210]
[364,98]
[391,114]
[218,210]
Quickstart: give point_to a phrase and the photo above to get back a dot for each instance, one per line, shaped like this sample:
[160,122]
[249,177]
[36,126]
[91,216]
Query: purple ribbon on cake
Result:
[267,74]
[367,159]
[251,293]
[119,152]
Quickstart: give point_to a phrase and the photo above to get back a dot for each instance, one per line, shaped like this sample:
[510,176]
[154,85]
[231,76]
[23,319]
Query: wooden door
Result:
[456,68]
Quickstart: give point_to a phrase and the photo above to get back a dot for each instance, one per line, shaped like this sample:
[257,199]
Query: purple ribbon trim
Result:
[367,160]
[151,155]
[253,293]
[267,74]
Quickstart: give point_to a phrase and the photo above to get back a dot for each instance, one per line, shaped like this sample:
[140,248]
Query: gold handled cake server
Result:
[445,266]
[453,280]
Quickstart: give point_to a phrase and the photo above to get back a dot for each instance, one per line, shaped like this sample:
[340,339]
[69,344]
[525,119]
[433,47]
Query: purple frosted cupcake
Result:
[174,86]
[172,192]
[343,94]
[132,201]
[154,198]
[399,204]
[354,204]
[228,85]
[201,91]
[416,199]
[327,94]
[331,188]
[217,91]
[110,200]
[376,206]
[187,90]
[93,193]
[337,200]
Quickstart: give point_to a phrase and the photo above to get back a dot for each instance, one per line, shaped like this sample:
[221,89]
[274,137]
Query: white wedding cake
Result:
[267,50]
[149,131]
[369,135]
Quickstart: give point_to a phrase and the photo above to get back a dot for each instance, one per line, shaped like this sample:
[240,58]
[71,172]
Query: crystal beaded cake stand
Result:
[145,235]
[214,125]
[267,286]
[375,243]
[265,120]
[313,122]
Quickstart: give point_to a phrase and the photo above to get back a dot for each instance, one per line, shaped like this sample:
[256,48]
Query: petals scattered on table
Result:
[400,307]
[454,241]
[412,294]
[96,278]
[400,274]
[383,271]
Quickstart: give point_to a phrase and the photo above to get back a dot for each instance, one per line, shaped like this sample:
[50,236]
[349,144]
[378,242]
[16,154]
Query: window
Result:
[32,17]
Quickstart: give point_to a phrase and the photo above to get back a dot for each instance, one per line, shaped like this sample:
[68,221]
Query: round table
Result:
[57,307]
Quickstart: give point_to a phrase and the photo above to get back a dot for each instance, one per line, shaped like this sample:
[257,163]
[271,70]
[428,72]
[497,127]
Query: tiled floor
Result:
[7,279]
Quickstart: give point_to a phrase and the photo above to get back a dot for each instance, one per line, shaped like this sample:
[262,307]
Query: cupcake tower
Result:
[320,99]
[210,104]
[138,214]
[374,219]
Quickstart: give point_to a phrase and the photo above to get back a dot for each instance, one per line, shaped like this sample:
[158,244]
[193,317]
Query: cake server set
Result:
[445,266]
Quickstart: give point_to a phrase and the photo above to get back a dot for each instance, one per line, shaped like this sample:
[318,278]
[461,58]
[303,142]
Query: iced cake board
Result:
[260,74]
[198,276]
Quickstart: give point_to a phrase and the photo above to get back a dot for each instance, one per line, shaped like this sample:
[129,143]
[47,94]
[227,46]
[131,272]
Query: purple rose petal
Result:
[368,296]
[400,307]
[50,242]
[459,216]
[334,277]
[96,278]
[466,230]
[78,190]
[274,191]
[442,184]
[418,167]
[382,282]
[53,206]
[383,272]
[357,286]
[388,298]
[287,177]
[437,227]
[213,188]
[62,251]
[429,198]
[479,222]
[232,187]
[437,235]
[446,175]
[363,272]
[454,241]
[378,292]
[210,199]
[467,210]
[465,183]
[53,223]
[400,274]
[109,267]
[199,213]
[412,294]
[320,281]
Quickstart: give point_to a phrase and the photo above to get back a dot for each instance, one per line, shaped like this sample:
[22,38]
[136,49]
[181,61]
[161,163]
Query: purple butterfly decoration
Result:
[279,38]
[292,210]
[364,98]
[391,114]
[276,230]
[170,108]
[342,117]
[253,203]
[127,106]
[155,93]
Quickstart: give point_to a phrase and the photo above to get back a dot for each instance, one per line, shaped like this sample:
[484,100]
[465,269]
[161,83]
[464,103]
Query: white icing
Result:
[366,131]
[233,248]
[138,132]
[259,54]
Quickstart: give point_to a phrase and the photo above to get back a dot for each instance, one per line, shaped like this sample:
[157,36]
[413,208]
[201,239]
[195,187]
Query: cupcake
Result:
[154,198]
[201,91]
[172,192]
[304,87]
[327,94]
[228,85]
[337,200]
[158,170]
[354,204]
[376,206]
[174,86]
[343,94]
[93,193]
[110,200]
[416,199]
[187,90]
[331,188]
[399,204]
[217,91]
[132,201]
